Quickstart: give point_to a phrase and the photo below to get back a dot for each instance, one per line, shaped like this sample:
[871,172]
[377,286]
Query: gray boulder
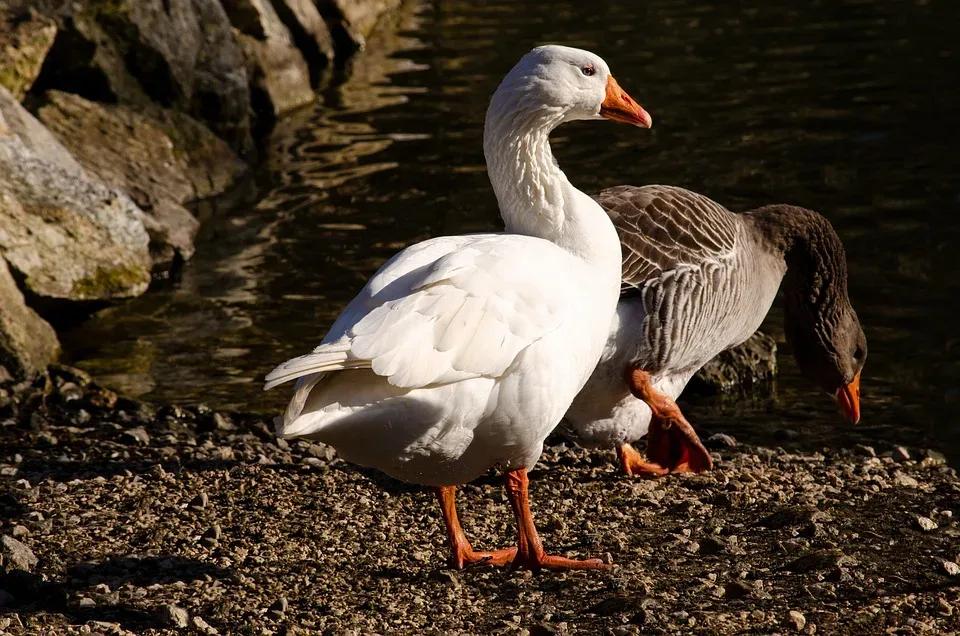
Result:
[310,34]
[64,235]
[352,21]
[25,38]
[14,555]
[745,368]
[27,343]
[180,54]
[280,78]
[161,158]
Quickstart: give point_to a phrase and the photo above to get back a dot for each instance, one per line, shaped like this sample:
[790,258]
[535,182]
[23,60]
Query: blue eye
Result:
[588,70]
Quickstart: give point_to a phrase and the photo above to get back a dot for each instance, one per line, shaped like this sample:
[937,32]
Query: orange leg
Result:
[462,554]
[530,554]
[672,444]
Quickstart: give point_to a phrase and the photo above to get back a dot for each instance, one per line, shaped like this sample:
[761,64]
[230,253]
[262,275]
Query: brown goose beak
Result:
[619,106]
[848,398]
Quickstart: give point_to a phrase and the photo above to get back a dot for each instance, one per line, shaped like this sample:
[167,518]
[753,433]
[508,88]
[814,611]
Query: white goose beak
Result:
[619,106]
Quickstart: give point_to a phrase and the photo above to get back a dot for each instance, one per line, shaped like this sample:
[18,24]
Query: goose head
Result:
[821,326]
[554,84]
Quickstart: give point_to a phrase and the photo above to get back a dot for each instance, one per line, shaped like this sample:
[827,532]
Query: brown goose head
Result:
[821,325]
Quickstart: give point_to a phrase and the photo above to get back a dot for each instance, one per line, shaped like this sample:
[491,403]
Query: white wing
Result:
[445,310]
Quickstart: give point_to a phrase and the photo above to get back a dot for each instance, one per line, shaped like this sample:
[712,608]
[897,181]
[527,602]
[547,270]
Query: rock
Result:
[16,121]
[901,454]
[950,567]
[817,561]
[160,157]
[280,605]
[720,440]
[200,501]
[14,555]
[905,481]
[310,34]
[137,435]
[925,523]
[713,545]
[213,533]
[745,367]
[180,54]
[866,451]
[64,235]
[352,21]
[798,620]
[174,616]
[202,625]
[25,39]
[790,517]
[280,79]
[27,342]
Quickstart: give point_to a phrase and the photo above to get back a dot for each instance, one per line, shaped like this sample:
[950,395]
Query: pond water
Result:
[847,107]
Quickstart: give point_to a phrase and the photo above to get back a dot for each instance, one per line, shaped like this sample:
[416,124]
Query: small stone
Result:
[737,589]
[817,561]
[712,545]
[47,439]
[790,517]
[951,568]
[935,457]
[279,605]
[138,435]
[213,533]
[174,616]
[925,523]
[200,501]
[720,440]
[866,451]
[785,434]
[16,555]
[905,481]
[799,620]
[86,601]
[203,626]
[20,531]
[901,454]
[222,422]
[70,392]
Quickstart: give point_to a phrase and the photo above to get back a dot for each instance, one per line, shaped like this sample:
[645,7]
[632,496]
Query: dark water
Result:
[846,107]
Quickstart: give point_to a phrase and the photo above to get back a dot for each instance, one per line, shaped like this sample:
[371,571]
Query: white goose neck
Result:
[533,193]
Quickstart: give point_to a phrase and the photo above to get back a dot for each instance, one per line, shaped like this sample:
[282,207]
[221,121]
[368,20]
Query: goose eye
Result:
[588,70]
[858,354]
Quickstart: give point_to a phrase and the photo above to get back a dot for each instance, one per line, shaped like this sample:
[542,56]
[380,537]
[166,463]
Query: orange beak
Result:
[618,106]
[848,398]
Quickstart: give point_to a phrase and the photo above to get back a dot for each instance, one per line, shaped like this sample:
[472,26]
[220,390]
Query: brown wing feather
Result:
[662,227]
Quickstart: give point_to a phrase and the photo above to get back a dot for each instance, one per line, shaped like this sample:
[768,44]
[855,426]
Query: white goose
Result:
[699,279]
[462,353]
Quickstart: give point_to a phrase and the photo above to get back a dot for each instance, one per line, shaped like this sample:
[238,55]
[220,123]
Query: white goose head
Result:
[550,85]
[554,84]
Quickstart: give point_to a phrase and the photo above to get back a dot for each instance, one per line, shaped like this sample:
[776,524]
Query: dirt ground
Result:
[145,520]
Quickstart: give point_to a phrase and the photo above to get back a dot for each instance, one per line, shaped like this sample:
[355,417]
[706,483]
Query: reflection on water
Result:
[846,107]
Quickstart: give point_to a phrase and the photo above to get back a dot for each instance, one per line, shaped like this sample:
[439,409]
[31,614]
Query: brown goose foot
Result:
[671,442]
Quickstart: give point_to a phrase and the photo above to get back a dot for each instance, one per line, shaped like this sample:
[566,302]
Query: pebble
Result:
[866,451]
[279,605]
[200,501]
[901,454]
[16,555]
[926,523]
[86,601]
[203,626]
[906,481]
[951,568]
[138,435]
[799,620]
[222,422]
[720,440]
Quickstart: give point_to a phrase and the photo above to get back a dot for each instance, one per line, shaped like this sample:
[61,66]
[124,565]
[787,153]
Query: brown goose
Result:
[698,279]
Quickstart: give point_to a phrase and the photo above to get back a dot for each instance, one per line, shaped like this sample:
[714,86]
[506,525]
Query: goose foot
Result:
[530,552]
[632,463]
[672,444]
[462,554]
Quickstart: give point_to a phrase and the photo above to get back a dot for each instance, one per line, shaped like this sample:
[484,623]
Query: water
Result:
[846,107]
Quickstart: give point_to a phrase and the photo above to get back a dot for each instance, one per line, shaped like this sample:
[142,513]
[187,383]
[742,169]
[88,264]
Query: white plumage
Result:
[462,353]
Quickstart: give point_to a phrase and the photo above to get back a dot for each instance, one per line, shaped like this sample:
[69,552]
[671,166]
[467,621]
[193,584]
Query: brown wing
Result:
[663,227]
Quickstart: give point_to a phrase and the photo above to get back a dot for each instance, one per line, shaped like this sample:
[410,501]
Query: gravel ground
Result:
[143,520]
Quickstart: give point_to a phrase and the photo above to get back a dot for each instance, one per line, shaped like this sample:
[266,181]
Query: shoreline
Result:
[143,518]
